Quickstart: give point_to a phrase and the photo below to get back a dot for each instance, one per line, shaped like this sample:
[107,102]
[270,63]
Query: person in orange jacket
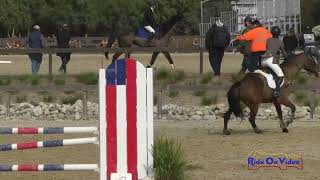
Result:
[258,44]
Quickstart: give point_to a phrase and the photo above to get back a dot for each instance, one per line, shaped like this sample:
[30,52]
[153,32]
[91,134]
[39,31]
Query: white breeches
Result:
[268,62]
[150,29]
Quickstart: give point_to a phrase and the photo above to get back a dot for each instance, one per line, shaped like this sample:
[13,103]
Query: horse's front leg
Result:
[279,112]
[252,119]
[286,102]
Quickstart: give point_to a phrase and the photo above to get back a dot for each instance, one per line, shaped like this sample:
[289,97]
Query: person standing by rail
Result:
[35,40]
[63,40]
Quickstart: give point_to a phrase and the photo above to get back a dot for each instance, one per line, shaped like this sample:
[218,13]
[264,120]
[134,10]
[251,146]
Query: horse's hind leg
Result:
[252,119]
[226,118]
[279,112]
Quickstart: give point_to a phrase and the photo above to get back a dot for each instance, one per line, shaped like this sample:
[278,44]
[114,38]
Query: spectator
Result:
[63,39]
[307,40]
[35,40]
[290,42]
[244,46]
[217,40]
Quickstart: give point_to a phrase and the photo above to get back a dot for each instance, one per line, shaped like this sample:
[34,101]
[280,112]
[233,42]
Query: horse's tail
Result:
[234,99]
[112,39]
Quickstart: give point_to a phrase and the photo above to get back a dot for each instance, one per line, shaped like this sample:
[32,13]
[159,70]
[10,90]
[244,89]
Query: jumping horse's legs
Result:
[226,120]
[252,119]
[279,112]
[153,58]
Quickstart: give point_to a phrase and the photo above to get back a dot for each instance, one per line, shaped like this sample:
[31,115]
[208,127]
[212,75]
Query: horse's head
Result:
[311,65]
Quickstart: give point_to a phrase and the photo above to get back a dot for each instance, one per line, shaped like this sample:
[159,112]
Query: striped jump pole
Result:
[48,130]
[50,167]
[48,144]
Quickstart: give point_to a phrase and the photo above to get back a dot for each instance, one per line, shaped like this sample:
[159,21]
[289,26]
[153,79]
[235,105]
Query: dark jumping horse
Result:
[126,40]
[253,90]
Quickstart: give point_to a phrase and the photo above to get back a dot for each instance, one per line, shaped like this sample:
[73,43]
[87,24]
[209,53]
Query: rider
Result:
[258,44]
[307,40]
[272,56]
[149,21]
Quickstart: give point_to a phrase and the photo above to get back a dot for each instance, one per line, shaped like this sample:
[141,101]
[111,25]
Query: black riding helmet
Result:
[151,3]
[275,31]
[247,19]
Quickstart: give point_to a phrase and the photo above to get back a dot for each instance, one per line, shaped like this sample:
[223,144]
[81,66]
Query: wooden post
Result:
[201,60]
[85,105]
[50,63]
[312,104]
[159,105]
[8,102]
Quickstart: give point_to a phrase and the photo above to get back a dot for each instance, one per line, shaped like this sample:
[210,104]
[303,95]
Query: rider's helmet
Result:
[247,19]
[151,4]
[275,31]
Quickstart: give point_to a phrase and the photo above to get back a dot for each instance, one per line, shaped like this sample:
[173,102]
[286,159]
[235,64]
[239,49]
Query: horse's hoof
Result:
[226,132]
[285,130]
[258,131]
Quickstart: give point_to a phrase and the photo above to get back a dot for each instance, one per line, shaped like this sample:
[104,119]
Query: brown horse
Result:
[126,40]
[253,90]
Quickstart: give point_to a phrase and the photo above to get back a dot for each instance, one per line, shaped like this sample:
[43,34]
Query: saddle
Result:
[270,77]
[143,33]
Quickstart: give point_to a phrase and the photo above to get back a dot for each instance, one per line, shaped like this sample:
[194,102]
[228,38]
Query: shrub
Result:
[209,100]
[206,78]
[199,93]
[173,94]
[5,82]
[179,76]
[88,78]
[169,160]
[35,80]
[24,78]
[21,99]
[162,74]
[301,79]
[49,98]
[71,99]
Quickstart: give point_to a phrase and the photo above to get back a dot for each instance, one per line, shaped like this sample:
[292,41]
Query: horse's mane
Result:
[292,60]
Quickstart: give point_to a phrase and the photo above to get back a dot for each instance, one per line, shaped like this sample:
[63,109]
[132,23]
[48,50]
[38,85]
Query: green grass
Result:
[35,80]
[60,80]
[169,159]
[209,100]
[162,74]
[71,99]
[199,93]
[173,94]
[206,78]
[24,79]
[88,78]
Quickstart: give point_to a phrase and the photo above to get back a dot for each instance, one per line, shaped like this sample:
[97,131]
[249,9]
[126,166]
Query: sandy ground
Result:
[81,63]
[211,154]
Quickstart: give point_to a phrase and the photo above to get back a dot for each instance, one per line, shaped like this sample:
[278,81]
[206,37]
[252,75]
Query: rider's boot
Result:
[278,82]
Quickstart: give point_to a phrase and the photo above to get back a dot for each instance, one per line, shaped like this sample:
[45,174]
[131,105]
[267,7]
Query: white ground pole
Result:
[103,125]
[5,62]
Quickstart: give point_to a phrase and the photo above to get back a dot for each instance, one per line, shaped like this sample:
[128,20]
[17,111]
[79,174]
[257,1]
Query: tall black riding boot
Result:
[278,82]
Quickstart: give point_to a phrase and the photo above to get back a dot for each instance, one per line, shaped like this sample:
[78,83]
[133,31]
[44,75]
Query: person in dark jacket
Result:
[217,40]
[244,46]
[290,42]
[63,40]
[149,21]
[308,41]
[35,40]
